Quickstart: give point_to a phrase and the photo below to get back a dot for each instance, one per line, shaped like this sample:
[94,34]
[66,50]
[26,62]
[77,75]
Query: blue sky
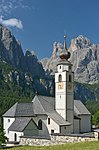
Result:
[38,23]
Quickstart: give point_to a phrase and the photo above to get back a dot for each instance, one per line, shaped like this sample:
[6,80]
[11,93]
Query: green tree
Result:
[96,119]
[2,136]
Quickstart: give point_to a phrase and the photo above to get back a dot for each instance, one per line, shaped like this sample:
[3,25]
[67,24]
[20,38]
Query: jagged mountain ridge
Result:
[12,53]
[84,57]
[27,71]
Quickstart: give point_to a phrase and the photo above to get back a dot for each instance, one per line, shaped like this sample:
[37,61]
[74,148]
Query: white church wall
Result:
[7,121]
[76,126]
[85,123]
[53,126]
[12,136]
[63,76]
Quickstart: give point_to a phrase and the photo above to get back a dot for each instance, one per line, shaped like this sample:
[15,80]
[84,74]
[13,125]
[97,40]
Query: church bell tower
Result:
[64,87]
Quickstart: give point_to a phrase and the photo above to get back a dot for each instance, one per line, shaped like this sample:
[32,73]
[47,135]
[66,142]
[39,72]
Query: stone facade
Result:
[58,139]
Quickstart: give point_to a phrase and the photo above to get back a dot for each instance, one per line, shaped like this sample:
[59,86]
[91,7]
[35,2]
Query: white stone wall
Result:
[7,121]
[64,94]
[52,126]
[61,67]
[85,123]
[12,135]
[55,140]
[63,76]
[60,94]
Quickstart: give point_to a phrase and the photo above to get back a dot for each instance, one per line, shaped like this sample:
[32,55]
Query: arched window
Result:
[40,124]
[60,78]
[70,79]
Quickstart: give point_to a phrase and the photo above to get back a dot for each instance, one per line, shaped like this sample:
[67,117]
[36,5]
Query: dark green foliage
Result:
[2,136]
[18,86]
[11,92]
[83,92]
[95,119]
[9,95]
[92,106]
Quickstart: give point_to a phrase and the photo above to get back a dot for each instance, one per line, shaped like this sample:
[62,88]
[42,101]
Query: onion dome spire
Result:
[65,47]
[65,55]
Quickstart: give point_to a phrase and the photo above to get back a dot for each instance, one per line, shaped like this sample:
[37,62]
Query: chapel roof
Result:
[44,105]
[80,109]
[20,110]
[19,124]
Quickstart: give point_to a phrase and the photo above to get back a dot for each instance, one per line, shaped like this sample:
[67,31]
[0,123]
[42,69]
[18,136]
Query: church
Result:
[50,115]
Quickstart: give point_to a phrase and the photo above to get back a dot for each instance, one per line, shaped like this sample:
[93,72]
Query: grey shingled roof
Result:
[58,118]
[24,109]
[46,102]
[43,105]
[48,105]
[11,111]
[80,109]
[19,124]
[20,110]
[37,106]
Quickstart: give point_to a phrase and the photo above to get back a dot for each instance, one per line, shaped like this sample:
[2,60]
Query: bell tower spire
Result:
[65,54]
[64,78]
[65,47]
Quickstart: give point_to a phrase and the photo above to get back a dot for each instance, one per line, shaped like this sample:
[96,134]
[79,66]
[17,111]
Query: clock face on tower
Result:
[69,86]
[60,85]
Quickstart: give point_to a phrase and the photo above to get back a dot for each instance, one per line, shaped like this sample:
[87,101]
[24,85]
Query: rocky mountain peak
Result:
[30,53]
[84,57]
[12,53]
[80,42]
[10,49]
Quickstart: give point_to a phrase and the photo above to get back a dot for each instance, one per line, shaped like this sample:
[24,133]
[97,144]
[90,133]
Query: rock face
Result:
[84,57]
[80,42]
[11,52]
[33,65]
[10,49]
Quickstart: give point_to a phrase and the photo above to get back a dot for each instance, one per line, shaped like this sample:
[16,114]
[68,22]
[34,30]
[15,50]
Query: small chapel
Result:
[45,115]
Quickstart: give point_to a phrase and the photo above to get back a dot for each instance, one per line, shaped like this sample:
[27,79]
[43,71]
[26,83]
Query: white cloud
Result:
[12,22]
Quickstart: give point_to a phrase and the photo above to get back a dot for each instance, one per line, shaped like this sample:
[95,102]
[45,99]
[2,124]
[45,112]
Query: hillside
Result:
[16,86]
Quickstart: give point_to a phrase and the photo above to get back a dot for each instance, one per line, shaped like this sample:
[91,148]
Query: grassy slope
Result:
[74,146]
